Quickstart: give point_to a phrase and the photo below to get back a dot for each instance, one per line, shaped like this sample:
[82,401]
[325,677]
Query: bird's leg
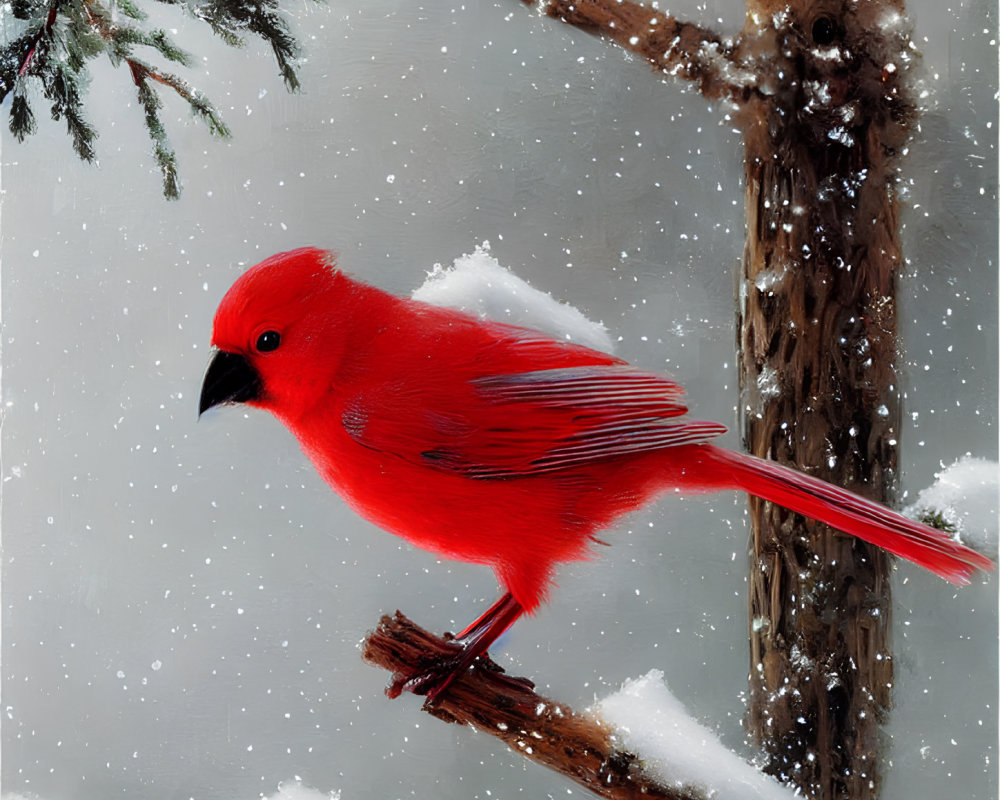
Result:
[483,620]
[470,644]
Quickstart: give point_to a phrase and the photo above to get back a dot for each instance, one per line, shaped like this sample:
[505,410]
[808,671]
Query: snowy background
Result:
[182,601]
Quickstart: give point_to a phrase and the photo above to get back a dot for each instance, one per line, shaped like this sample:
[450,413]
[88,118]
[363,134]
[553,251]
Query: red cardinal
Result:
[490,443]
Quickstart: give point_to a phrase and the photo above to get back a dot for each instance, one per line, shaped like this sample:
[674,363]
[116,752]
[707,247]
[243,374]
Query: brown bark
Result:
[577,745]
[817,347]
[681,49]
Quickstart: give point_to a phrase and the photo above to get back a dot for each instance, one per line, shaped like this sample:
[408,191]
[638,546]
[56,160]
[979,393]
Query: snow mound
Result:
[966,495]
[676,749]
[478,284]
[295,790]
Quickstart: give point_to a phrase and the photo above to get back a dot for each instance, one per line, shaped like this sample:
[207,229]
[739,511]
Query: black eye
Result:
[824,31]
[268,341]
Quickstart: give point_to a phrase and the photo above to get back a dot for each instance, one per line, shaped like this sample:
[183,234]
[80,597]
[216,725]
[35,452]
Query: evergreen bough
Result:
[53,41]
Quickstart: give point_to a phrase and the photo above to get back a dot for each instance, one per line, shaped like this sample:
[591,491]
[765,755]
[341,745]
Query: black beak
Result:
[229,379]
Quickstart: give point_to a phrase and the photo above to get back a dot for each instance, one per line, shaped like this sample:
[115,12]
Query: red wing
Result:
[527,423]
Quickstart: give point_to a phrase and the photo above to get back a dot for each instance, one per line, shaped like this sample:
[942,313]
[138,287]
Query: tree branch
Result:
[98,19]
[681,49]
[45,30]
[62,37]
[577,745]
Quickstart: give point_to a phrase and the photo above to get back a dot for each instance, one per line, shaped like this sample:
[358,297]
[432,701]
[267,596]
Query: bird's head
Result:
[276,335]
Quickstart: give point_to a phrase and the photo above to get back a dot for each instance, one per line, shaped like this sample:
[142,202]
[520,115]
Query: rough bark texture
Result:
[817,348]
[577,745]
[818,393]
[821,92]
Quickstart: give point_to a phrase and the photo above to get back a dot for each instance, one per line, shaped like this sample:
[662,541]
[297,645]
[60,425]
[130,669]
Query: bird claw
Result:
[432,677]
[430,681]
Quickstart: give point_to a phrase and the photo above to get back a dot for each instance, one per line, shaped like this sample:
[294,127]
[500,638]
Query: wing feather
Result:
[529,423]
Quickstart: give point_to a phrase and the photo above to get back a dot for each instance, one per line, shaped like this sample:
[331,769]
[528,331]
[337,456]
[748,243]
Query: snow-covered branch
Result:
[637,743]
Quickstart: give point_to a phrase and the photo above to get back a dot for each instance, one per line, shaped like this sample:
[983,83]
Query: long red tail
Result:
[848,512]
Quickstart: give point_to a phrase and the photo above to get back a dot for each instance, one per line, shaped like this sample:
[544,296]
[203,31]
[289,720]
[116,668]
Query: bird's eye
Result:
[268,341]
[824,31]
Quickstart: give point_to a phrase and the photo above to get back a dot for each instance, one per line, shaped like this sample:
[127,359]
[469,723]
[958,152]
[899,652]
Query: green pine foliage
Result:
[49,43]
[937,519]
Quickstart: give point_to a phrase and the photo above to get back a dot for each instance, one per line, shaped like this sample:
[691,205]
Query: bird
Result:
[490,443]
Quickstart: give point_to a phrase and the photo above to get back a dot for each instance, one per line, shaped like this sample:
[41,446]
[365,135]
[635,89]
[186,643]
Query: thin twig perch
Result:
[577,745]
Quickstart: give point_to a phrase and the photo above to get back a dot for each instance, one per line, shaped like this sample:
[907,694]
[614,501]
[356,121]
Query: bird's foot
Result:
[430,681]
[433,679]
[454,656]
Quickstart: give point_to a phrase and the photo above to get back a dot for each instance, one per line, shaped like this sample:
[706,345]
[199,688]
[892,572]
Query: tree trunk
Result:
[817,346]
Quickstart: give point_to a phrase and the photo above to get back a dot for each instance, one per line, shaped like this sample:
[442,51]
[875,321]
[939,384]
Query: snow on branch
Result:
[964,501]
[648,719]
[637,743]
